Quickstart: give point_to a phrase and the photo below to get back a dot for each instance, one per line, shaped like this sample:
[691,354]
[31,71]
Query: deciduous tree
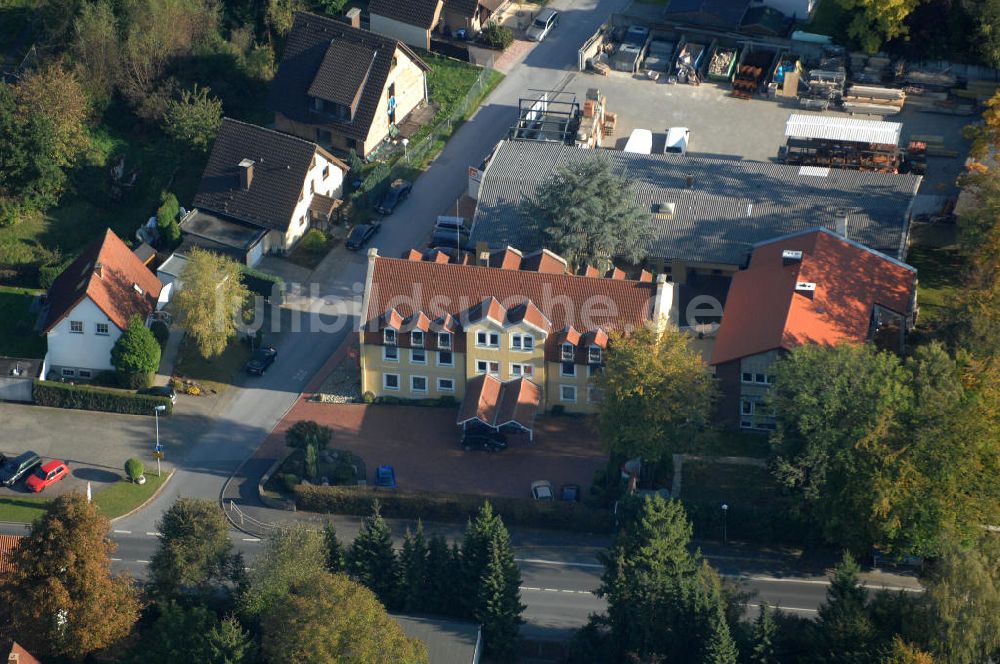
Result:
[588,214]
[62,598]
[905,653]
[291,558]
[193,119]
[136,355]
[166,220]
[873,22]
[208,304]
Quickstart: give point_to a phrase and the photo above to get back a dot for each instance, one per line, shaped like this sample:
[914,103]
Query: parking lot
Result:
[722,125]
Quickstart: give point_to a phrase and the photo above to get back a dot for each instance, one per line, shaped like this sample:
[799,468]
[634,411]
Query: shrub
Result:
[166,220]
[403,504]
[291,481]
[498,36]
[47,274]
[134,468]
[64,395]
[161,331]
[368,397]
[136,355]
[259,282]
[343,474]
[194,119]
[314,241]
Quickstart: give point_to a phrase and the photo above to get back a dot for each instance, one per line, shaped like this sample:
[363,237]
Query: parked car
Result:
[385,477]
[398,191]
[484,441]
[449,239]
[260,360]
[570,493]
[542,490]
[361,234]
[46,475]
[14,468]
[544,21]
[160,391]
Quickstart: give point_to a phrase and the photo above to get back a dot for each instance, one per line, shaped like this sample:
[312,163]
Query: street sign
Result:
[157,455]
[158,448]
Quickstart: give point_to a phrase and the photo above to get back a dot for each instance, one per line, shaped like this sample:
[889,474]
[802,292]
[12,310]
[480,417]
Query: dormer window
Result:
[568,352]
[389,336]
[416,338]
[594,355]
[444,340]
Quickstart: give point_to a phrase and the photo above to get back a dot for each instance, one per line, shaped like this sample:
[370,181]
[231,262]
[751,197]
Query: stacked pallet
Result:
[873,100]
[610,122]
[932,145]
[746,81]
[980,91]
[939,102]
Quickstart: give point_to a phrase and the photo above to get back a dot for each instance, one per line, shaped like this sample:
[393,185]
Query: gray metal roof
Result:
[731,206]
[843,129]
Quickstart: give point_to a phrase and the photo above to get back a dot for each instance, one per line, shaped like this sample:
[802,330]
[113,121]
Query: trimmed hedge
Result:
[80,397]
[260,283]
[403,504]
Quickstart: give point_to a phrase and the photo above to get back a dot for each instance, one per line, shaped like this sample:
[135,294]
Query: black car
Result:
[485,442]
[361,234]
[399,190]
[17,467]
[450,240]
[261,359]
[160,391]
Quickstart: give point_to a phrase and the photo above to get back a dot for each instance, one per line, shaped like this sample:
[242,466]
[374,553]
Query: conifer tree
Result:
[372,561]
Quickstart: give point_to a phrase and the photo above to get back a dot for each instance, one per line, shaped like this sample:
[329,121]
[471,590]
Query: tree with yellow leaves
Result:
[875,22]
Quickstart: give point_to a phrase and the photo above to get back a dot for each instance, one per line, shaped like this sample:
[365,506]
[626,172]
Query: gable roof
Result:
[420,13]
[496,403]
[280,165]
[730,206]
[328,54]
[108,273]
[766,310]
[7,544]
[465,8]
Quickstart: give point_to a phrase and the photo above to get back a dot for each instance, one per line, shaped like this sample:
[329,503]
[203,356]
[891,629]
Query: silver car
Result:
[544,21]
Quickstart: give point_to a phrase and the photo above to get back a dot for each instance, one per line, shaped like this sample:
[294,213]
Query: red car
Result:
[46,475]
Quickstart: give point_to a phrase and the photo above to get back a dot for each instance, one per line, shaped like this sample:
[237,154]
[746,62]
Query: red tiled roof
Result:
[764,311]
[107,272]
[20,655]
[508,259]
[495,403]
[413,255]
[615,273]
[544,260]
[591,271]
[7,544]
[645,276]
[528,312]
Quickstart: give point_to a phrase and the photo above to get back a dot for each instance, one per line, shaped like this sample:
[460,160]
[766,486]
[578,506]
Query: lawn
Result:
[216,373]
[118,499]
[707,482]
[734,443]
[17,322]
[940,268]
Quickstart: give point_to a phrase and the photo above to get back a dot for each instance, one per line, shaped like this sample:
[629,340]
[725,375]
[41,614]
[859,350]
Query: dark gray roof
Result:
[306,59]
[218,234]
[466,8]
[447,641]
[415,12]
[715,13]
[281,163]
[732,204]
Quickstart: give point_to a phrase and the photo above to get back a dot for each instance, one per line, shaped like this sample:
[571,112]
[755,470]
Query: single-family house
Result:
[90,303]
[343,87]
[808,287]
[469,15]
[261,191]
[409,21]
[478,332]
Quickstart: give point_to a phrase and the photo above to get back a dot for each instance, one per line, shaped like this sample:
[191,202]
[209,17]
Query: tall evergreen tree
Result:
[336,558]
[498,602]
[844,626]
[372,561]
[414,572]
[765,629]
[443,569]
[228,643]
[720,647]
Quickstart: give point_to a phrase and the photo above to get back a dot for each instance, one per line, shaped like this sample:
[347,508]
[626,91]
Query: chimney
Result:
[353,17]
[807,288]
[842,225]
[99,269]
[246,174]
[790,256]
[690,181]
[483,253]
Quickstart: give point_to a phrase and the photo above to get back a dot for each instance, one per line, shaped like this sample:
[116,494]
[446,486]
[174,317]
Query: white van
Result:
[640,142]
[677,140]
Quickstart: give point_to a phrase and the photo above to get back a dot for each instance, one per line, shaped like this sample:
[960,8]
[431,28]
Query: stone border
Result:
[274,503]
[156,493]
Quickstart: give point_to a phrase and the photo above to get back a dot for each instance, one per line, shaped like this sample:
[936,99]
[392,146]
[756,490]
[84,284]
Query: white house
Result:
[90,304]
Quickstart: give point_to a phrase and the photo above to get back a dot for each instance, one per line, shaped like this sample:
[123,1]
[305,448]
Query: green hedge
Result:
[64,395]
[260,283]
[749,523]
[403,504]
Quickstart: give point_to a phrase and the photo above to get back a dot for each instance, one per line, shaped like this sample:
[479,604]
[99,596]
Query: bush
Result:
[498,36]
[47,274]
[343,474]
[558,409]
[136,355]
[402,504]
[314,241]
[260,283]
[135,380]
[368,397]
[166,220]
[134,469]
[291,481]
[161,331]
[64,395]
[194,119]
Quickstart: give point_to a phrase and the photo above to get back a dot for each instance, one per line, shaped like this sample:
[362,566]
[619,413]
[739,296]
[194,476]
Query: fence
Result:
[248,524]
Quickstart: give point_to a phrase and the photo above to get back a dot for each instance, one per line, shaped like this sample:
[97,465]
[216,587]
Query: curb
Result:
[148,500]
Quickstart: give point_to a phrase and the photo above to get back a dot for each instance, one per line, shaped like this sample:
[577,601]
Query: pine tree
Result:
[336,559]
[720,647]
[498,601]
[413,566]
[765,630]
[844,626]
[228,643]
[443,568]
[372,560]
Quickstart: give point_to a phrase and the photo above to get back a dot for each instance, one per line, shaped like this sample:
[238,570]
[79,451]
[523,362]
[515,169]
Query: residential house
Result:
[808,287]
[16,654]
[343,87]
[447,641]
[90,303]
[12,650]
[261,191]
[707,214]
[469,15]
[430,328]
[409,21]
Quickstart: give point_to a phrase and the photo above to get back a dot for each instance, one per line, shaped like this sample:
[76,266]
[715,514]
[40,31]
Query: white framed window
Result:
[390,381]
[76,326]
[487,366]
[444,340]
[390,353]
[445,358]
[518,369]
[389,336]
[760,379]
[568,352]
[746,377]
[593,394]
[416,338]
[69,372]
[487,339]
[102,329]
[418,383]
[567,369]
[522,342]
[594,355]
[567,393]
[85,373]
[446,385]
[418,356]
[594,369]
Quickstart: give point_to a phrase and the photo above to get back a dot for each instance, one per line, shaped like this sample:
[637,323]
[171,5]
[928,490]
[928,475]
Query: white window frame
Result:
[590,355]
[488,364]
[385,354]
[485,339]
[69,373]
[594,369]
[76,327]
[562,370]
[414,388]
[440,388]
[413,356]
[517,343]
[562,393]
[444,340]
[389,336]
[417,338]
[445,364]
[567,352]
[385,382]
[102,332]
[760,378]
[517,369]
[746,377]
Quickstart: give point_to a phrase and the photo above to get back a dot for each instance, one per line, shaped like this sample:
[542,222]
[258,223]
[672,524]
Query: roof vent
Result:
[790,256]
[246,174]
[663,208]
[807,288]
[138,289]
[99,269]
[842,226]
[690,181]
[749,209]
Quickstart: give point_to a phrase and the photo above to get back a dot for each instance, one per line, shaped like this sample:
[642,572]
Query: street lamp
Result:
[158,451]
[725,511]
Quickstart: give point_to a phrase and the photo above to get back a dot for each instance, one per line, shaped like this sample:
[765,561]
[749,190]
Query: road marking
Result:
[786,608]
[539,561]
[822,582]
[146,562]
[529,588]
[251,539]
[116,560]
[124,532]
[555,590]
[152,534]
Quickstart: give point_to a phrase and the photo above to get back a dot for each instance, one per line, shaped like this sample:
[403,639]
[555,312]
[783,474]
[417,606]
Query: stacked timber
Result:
[826,88]
[873,100]
[930,80]
[869,68]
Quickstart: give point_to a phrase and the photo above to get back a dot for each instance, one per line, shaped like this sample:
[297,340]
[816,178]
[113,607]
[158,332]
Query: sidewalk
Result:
[169,356]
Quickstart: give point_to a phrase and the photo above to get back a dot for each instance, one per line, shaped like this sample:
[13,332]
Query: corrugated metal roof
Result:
[732,205]
[843,129]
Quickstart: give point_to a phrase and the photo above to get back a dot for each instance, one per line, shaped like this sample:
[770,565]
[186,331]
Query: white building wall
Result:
[800,9]
[88,350]
[332,185]
[404,32]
